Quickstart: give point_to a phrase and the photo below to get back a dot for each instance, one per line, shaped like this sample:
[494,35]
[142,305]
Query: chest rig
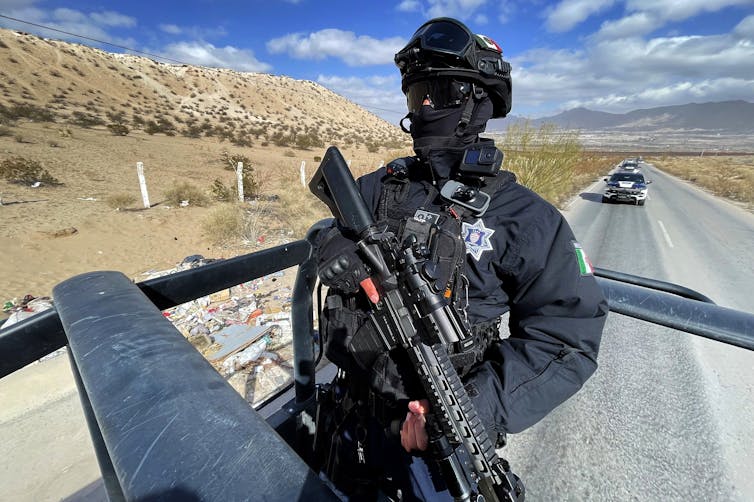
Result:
[435,228]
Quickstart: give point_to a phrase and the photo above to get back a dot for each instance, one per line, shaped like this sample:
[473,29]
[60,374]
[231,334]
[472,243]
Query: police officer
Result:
[501,252]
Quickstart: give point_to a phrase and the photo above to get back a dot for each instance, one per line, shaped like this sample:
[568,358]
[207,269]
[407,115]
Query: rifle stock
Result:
[410,314]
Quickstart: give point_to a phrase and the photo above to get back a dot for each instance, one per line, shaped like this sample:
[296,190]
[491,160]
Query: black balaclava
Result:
[438,138]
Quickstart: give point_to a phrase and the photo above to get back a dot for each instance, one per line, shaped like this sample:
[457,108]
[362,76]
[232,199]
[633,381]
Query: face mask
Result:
[429,122]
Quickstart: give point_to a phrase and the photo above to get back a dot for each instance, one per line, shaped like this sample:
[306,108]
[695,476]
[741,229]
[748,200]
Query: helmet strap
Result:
[477,94]
[408,116]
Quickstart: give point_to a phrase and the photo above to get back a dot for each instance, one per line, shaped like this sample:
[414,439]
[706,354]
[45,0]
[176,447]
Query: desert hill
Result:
[725,117]
[86,117]
[50,79]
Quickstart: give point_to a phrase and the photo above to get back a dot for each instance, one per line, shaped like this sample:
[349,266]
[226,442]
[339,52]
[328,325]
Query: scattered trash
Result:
[244,331]
[36,184]
[27,307]
[184,203]
[86,198]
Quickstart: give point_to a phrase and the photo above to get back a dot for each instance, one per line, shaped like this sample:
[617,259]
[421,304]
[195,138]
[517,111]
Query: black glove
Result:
[339,264]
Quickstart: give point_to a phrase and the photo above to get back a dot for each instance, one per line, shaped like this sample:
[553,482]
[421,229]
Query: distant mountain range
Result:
[724,117]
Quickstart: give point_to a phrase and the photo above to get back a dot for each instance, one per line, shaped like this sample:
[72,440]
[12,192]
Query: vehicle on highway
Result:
[626,186]
[629,165]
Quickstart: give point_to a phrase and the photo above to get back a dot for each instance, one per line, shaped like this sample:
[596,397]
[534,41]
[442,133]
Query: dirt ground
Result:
[38,243]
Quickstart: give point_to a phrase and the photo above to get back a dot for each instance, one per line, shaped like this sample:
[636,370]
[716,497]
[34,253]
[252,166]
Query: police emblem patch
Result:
[477,238]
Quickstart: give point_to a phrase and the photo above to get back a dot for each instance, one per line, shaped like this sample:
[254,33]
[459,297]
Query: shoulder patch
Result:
[477,238]
[585,266]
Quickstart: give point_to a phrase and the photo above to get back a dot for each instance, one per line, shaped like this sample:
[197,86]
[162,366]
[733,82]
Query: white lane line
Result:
[665,233]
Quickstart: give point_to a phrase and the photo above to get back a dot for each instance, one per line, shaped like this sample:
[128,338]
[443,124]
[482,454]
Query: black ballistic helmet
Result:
[442,60]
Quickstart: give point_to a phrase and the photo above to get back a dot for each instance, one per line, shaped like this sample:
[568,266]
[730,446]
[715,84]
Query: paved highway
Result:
[668,416]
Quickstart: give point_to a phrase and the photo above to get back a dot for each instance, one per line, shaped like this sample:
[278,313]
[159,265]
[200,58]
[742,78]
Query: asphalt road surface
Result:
[668,416]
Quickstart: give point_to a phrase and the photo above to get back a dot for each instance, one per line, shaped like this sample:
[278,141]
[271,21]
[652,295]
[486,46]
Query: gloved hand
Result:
[339,264]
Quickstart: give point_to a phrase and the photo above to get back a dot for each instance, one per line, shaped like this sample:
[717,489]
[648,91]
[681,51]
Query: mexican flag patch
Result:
[585,266]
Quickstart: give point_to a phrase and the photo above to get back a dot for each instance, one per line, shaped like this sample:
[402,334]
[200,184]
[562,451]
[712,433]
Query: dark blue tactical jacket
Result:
[522,258]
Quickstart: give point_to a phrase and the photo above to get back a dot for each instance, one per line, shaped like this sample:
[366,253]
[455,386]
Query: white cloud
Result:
[722,89]
[17,4]
[353,50]
[206,54]
[92,25]
[461,9]
[569,13]
[677,10]
[193,32]
[110,18]
[408,6]
[171,29]
[621,74]
[745,29]
[506,10]
[635,25]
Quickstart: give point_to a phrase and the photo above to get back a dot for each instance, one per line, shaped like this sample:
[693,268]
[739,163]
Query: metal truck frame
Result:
[164,424]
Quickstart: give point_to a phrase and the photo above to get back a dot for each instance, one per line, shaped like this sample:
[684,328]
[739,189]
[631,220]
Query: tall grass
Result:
[729,177]
[551,161]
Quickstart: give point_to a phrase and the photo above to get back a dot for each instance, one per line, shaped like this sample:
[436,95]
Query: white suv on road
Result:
[626,186]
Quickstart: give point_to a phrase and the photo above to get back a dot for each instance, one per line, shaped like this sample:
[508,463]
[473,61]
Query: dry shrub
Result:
[185,191]
[23,170]
[296,208]
[724,176]
[550,161]
[120,200]
[224,224]
[230,223]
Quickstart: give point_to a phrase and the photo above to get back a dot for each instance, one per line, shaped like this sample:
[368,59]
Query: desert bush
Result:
[23,170]
[120,200]
[28,111]
[251,184]
[221,192]
[118,129]
[543,159]
[118,117]
[85,119]
[230,161]
[185,191]
[242,141]
[730,177]
[224,224]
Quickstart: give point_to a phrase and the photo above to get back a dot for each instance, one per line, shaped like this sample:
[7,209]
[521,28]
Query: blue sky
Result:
[607,55]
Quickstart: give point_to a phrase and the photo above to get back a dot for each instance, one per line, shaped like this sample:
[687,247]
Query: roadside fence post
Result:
[143,184]
[239,177]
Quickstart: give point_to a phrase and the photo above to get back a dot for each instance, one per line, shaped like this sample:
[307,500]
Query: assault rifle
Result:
[408,312]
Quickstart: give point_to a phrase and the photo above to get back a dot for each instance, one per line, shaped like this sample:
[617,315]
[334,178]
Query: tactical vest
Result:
[437,224]
[351,342]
